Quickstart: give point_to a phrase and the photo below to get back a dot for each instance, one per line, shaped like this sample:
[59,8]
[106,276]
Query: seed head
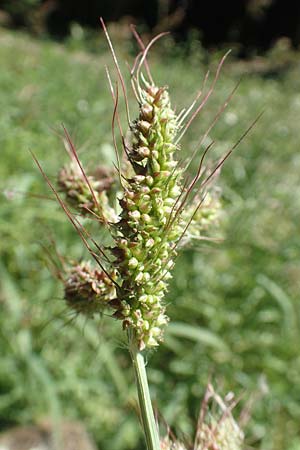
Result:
[158,213]
[144,251]
[222,435]
[78,193]
[88,290]
[216,428]
[205,214]
[171,444]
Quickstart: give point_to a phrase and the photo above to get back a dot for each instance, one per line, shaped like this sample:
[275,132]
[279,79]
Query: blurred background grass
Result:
[234,306]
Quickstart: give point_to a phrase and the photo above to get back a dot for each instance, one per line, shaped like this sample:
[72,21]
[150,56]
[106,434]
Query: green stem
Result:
[147,416]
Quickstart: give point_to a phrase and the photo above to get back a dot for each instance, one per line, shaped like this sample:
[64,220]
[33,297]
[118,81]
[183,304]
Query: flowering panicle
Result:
[158,214]
[158,210]
[148,229]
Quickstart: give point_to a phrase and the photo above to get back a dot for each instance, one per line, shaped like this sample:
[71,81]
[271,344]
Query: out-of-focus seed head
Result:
[222,435]
[78,192]
[205,214]
[216,428]
[167,443]
[88,290]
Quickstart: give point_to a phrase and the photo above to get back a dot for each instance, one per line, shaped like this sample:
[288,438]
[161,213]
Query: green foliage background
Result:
[234,306]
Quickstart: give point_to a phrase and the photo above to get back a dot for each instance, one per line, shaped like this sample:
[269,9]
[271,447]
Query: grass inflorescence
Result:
[234,318]
[159,210]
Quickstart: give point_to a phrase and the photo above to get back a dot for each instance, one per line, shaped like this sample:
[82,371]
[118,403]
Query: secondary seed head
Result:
[88,290]
[91,197]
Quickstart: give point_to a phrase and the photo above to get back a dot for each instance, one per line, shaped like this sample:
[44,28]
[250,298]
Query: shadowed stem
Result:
[147,416]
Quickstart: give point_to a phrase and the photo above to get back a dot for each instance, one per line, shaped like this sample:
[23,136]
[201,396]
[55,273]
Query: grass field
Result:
[234,306]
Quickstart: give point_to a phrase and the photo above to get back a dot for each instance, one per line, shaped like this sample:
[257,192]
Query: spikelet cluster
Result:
[216,429]
[202,215]
[87,194]
[156,213]
[167,443]
[222,435]
[148,228]
[88,289]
